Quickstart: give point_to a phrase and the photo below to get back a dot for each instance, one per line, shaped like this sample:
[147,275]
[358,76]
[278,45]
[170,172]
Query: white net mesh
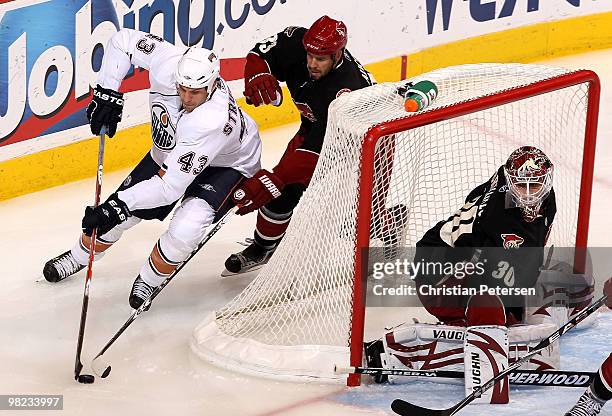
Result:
[300,304]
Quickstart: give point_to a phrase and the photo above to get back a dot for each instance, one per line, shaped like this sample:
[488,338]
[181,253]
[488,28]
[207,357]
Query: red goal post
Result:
[385,177]
[391,127]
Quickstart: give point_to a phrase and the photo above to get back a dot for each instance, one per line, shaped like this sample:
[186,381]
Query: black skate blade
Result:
[227,273]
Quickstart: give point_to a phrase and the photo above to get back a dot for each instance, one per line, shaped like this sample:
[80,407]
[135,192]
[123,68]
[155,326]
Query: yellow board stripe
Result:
[526,44]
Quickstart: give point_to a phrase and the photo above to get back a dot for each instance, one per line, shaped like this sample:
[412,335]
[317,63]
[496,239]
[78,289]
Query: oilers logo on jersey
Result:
[162,128]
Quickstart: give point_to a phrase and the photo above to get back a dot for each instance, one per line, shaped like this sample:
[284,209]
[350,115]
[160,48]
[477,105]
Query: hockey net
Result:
[385,177]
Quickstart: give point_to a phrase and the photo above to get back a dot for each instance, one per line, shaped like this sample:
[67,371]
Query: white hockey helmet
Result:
[198,68]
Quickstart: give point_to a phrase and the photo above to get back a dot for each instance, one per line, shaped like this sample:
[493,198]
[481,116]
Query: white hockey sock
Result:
[81,253]
[151,275]
[485,356]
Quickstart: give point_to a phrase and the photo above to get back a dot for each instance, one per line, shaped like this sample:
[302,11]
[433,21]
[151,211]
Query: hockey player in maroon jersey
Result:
[514,208]
[317,68]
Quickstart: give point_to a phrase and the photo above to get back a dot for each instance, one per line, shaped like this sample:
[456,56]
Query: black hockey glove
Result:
[105,216]
[105,109]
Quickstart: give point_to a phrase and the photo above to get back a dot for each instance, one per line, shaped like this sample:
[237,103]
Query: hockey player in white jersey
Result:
[203,147]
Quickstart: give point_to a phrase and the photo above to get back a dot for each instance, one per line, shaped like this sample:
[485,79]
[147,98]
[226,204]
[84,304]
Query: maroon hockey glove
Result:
[260,86]
[608,292]
[257,191]
[297,167]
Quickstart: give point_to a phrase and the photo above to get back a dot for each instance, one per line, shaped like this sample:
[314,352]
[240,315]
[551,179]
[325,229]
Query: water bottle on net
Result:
[418,96]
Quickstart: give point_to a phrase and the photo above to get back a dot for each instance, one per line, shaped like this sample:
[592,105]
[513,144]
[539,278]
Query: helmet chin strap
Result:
[335,62]
[213,87]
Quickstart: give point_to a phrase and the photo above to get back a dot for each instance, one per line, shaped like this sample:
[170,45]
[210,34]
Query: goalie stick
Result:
[78,365]
[103,369]
[405,408]
[553,378]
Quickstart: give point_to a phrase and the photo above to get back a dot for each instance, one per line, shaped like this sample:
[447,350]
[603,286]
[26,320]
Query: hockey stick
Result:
[405,408]
[553,378]
[100,367]
[78,366]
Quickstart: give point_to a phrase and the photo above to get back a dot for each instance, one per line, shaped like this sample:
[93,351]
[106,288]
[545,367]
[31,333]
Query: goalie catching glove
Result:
[105,109]
[260,86]
[105,216]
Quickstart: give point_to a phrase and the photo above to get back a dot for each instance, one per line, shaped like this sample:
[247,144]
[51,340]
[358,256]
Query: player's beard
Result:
[314,75]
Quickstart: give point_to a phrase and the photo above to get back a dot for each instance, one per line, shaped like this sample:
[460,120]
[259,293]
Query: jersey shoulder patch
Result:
[290,30]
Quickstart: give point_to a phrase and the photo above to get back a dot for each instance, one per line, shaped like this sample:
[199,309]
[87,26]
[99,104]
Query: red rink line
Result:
[302,403]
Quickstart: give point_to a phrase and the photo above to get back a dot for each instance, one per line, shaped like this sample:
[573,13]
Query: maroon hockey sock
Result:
[270,227]
[602,383]
[485,310]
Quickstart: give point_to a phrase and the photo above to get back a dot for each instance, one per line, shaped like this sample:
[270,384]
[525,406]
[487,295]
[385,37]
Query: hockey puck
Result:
[106,372]
[86,379]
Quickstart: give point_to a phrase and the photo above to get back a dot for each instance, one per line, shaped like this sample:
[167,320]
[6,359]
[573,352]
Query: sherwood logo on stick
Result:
[544,379]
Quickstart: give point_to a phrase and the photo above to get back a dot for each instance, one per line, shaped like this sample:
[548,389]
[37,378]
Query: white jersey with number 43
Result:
[216,133]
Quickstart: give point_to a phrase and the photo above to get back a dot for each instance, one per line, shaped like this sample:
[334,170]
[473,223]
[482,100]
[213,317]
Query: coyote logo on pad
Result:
[512,240]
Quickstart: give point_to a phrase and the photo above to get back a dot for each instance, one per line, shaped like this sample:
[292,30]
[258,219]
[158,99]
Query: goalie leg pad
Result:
[423,347]
[522,337]
[440,347]
[485,356]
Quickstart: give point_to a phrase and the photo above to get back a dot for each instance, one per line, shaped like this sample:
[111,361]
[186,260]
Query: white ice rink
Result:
[154,372]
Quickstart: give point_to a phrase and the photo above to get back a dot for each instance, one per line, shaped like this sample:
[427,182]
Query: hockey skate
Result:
[252,258]
[587,405]
[372,351]
[141,291]
[61,267]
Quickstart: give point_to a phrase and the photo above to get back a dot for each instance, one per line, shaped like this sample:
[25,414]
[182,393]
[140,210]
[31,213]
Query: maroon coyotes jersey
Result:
[286,58]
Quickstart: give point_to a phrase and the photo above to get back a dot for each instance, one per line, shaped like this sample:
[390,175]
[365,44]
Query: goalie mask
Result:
[198,68]
[529,175]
